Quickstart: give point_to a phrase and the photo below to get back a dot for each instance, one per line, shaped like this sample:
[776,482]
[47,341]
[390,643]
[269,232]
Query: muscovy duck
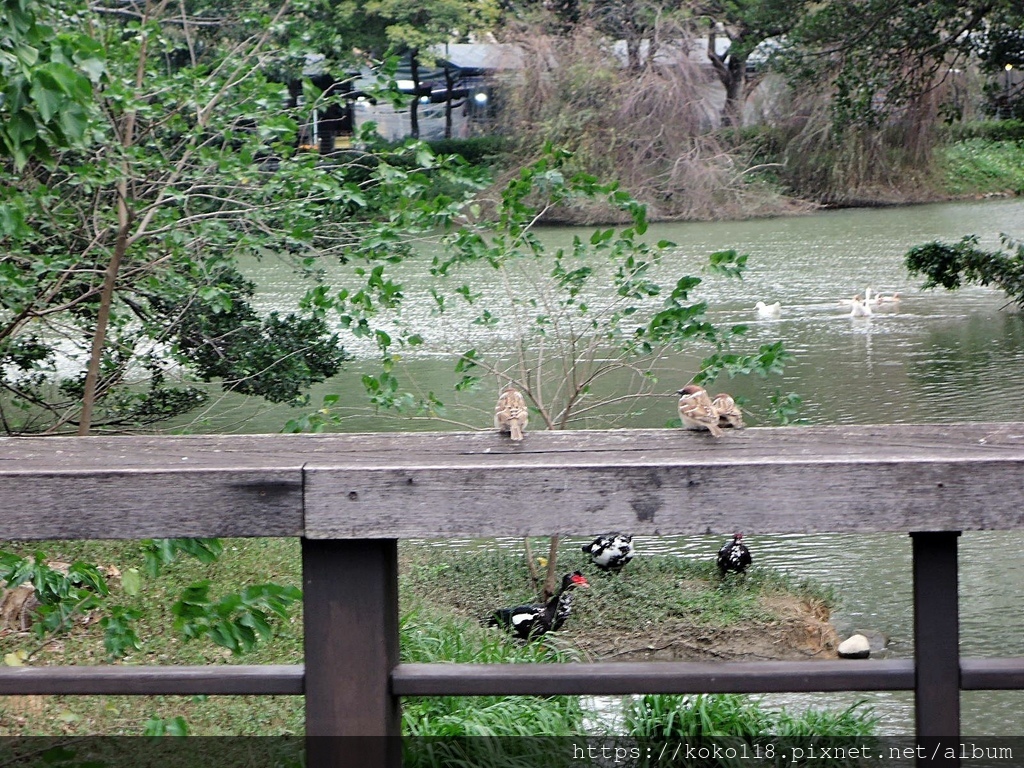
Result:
[611,551]
[530,621]
[733,556]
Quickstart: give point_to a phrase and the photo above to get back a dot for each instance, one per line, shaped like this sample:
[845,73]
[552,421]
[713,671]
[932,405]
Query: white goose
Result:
[768,310]
[890,302]
[859,308]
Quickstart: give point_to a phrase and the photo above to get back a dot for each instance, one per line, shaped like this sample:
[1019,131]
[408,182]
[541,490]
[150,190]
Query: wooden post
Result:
[351,644]
[936,640]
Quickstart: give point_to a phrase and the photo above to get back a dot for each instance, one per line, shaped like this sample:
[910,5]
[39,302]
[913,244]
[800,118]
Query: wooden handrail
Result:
[408,485]
[351,497]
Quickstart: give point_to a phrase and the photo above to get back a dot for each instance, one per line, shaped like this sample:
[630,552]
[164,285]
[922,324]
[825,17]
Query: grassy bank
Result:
[444,593]
[981,166]
[653,594]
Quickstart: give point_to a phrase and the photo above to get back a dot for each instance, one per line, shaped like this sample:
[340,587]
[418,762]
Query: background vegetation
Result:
[444,595]
[147,147]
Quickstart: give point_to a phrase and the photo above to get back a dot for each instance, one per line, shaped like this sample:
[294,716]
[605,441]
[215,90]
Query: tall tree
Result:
[746,24]
[880,55]
[634,22]
[140,163]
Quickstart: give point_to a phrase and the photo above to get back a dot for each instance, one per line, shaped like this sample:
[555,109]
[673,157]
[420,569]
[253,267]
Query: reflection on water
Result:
[937,356]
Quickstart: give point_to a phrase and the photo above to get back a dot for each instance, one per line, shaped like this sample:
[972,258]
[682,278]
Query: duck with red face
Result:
[531,621]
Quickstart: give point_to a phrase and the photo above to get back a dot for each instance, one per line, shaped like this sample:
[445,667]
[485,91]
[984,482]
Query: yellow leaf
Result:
[15,658]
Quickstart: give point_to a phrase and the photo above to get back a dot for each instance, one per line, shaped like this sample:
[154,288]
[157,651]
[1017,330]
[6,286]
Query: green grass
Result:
[649,591]
[738,722]
[243,562]
[480,730]
[443,594]
[982,166]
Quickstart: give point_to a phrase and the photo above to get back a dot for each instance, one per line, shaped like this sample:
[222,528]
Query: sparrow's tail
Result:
[515,429]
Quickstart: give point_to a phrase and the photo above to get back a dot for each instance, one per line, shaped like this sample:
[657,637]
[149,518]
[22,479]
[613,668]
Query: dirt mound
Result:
[801,632]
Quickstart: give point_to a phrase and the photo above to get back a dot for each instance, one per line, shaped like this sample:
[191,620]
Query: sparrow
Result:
[696,410]
[511,414]
[729,414]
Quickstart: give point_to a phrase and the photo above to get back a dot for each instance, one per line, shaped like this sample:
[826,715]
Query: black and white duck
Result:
[530,621]
[734,556]
[611,551]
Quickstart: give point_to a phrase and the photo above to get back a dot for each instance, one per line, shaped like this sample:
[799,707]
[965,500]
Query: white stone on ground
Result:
[854,647]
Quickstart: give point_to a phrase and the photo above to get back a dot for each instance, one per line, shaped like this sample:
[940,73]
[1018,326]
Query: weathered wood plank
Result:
[268,679]
[620,678]
[464,680]
[139,504]
[686,497]
[350,590]
[794,479]
[936,635]
[899,442]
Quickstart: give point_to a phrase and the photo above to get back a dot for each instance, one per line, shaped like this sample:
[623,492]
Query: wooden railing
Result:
[352,497]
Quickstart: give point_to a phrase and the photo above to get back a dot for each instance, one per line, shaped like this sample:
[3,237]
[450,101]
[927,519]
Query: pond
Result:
[935,357]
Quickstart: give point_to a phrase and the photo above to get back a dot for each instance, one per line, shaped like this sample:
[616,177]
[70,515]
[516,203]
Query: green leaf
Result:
[48,102]
[131,581]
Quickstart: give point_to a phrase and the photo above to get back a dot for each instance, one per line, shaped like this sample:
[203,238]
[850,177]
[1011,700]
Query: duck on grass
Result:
[660,607]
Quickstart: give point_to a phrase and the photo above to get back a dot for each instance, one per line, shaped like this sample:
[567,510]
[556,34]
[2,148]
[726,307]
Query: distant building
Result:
[456,96]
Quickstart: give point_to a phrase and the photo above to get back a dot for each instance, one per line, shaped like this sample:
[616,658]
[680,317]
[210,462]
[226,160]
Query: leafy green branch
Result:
[64,593]
[952,266]
[236,621]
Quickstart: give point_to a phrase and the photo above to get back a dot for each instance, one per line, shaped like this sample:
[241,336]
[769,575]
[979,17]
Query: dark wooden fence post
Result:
[351,645]
[936,639]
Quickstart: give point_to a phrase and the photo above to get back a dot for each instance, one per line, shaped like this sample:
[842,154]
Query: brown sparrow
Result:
[511,414]
[729,414]
[696,410]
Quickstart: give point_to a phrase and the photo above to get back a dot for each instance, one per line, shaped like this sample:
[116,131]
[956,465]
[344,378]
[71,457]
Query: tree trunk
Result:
[125,217]
[731,71]
[633,54]
[414,69]
[99,338]
[732,114]
[448,103]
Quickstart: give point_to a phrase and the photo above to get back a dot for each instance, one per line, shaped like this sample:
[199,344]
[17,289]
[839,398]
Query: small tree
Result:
[582,330]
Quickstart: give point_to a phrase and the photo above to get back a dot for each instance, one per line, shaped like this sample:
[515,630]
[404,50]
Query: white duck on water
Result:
[859,307]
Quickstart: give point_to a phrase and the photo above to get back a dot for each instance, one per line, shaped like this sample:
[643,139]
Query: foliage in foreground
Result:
[963,263]
[583,329]
[738,722]
[144,159]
